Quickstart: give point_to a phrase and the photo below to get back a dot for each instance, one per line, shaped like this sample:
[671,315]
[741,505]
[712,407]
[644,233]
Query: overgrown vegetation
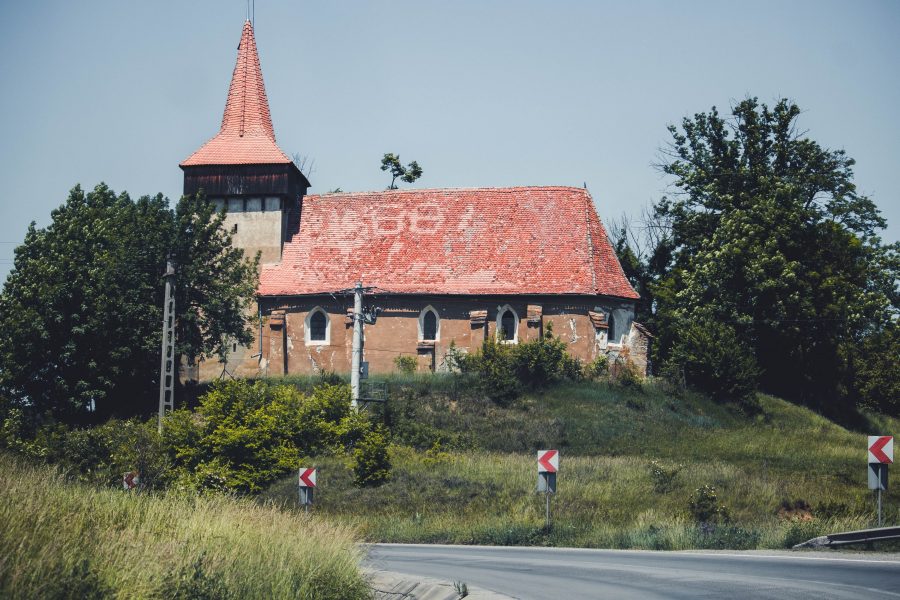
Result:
[503,371]
[60,539]
[633,460]
[242,437]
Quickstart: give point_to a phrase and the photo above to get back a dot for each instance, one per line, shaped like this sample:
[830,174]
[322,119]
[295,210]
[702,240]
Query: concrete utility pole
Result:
[356,361]
[167,366]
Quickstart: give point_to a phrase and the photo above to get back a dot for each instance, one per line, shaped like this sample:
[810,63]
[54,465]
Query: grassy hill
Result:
[632,458]
[66,540]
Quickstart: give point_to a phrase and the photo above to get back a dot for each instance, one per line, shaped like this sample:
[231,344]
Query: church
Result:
[439,266]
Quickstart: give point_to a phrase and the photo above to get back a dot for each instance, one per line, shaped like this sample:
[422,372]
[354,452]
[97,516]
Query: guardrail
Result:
[863,536]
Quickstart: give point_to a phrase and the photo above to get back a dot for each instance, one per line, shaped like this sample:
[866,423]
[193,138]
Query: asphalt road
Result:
[575,574]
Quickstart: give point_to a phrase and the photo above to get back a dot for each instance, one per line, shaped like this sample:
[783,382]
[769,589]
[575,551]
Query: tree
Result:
[771,237]
[391,162]
[81,310]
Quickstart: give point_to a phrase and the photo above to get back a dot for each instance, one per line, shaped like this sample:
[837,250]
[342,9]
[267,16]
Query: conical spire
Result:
[247,108]
[246,135]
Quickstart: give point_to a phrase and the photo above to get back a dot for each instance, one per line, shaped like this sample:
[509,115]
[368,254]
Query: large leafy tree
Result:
[81,311]
[772,239]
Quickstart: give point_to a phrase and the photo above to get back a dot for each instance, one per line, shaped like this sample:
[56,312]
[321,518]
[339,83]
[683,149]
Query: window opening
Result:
[317,325]
[508,325]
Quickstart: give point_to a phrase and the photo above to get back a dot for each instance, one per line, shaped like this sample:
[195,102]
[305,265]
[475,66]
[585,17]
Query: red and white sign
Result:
[308,478]
[130,480]
[881,449]
[548,461]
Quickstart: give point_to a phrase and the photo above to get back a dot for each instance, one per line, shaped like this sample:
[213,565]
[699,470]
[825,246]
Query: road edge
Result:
[390,585]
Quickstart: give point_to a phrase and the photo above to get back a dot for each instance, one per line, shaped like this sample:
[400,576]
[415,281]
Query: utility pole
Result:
[167,366]
[356,361]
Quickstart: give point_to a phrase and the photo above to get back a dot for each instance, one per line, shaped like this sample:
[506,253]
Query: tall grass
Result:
[66,540]
[784,476]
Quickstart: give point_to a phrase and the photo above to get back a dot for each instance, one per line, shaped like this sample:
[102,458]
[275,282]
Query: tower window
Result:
[254,204]
[234,228]
[235,205]
[273,203]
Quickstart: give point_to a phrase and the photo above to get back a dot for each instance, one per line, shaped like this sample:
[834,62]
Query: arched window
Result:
[611,332]
[508,324]
[429,325]
[317,330]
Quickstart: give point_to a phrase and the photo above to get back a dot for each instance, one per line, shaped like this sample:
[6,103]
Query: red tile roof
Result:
[522,240]
[246,135]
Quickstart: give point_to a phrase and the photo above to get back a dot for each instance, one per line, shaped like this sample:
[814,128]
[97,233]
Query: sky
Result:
[480,93]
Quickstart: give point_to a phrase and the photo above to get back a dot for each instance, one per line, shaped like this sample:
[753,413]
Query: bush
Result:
[406,364]
[371,460]
[503,370]
[713,360]
[598,368]
[663,478]
[246,435]
[627,374]
[704,506]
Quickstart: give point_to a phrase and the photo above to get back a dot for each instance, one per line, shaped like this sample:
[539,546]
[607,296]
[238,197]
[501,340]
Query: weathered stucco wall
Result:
[261,226]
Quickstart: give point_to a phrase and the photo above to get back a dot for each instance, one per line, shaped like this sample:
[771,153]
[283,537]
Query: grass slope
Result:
[64,540]
[465,471]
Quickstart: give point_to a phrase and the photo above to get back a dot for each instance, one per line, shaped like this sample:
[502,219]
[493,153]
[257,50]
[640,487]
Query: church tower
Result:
[242,168]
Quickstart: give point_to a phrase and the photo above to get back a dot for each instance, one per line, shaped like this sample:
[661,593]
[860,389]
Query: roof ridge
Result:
[504,189]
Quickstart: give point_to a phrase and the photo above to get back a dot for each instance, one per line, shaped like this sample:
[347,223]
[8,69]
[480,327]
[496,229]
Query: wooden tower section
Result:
[242,168]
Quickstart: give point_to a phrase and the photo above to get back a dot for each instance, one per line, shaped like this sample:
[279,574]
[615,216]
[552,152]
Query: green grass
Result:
[66,540]
[464,470]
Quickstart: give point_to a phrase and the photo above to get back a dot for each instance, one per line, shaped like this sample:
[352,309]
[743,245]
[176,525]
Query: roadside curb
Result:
[388,585]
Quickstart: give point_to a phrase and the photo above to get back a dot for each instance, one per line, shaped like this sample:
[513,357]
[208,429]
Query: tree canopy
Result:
[409,173]
[81,310]
[768,237]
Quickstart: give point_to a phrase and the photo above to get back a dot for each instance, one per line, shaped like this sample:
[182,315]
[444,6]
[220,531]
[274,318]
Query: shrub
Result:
[627,374]
[495,369]
[503,370]
[598,368]
[715,361]
[246,435]
[663,478]
[406,364]
[704,506]
[371,460]
[544,361]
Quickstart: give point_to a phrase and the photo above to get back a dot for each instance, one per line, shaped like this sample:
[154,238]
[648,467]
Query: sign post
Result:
[881,454]
[307,485]
[548,465]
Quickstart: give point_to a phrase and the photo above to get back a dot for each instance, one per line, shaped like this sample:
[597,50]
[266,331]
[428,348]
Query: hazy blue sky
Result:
[480,93]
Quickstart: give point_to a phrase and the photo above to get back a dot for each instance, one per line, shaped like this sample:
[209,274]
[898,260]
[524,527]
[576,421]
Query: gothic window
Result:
[611,332]
[508,324]
[429,325]
[317,327]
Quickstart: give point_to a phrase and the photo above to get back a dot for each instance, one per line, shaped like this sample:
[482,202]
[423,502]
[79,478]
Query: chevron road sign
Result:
[307,478]
[881,449]
[881,454]
[548,461]
[307,485]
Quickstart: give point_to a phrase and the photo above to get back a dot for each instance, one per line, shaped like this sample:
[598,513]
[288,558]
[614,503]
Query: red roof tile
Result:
[246,135]
[523,240]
